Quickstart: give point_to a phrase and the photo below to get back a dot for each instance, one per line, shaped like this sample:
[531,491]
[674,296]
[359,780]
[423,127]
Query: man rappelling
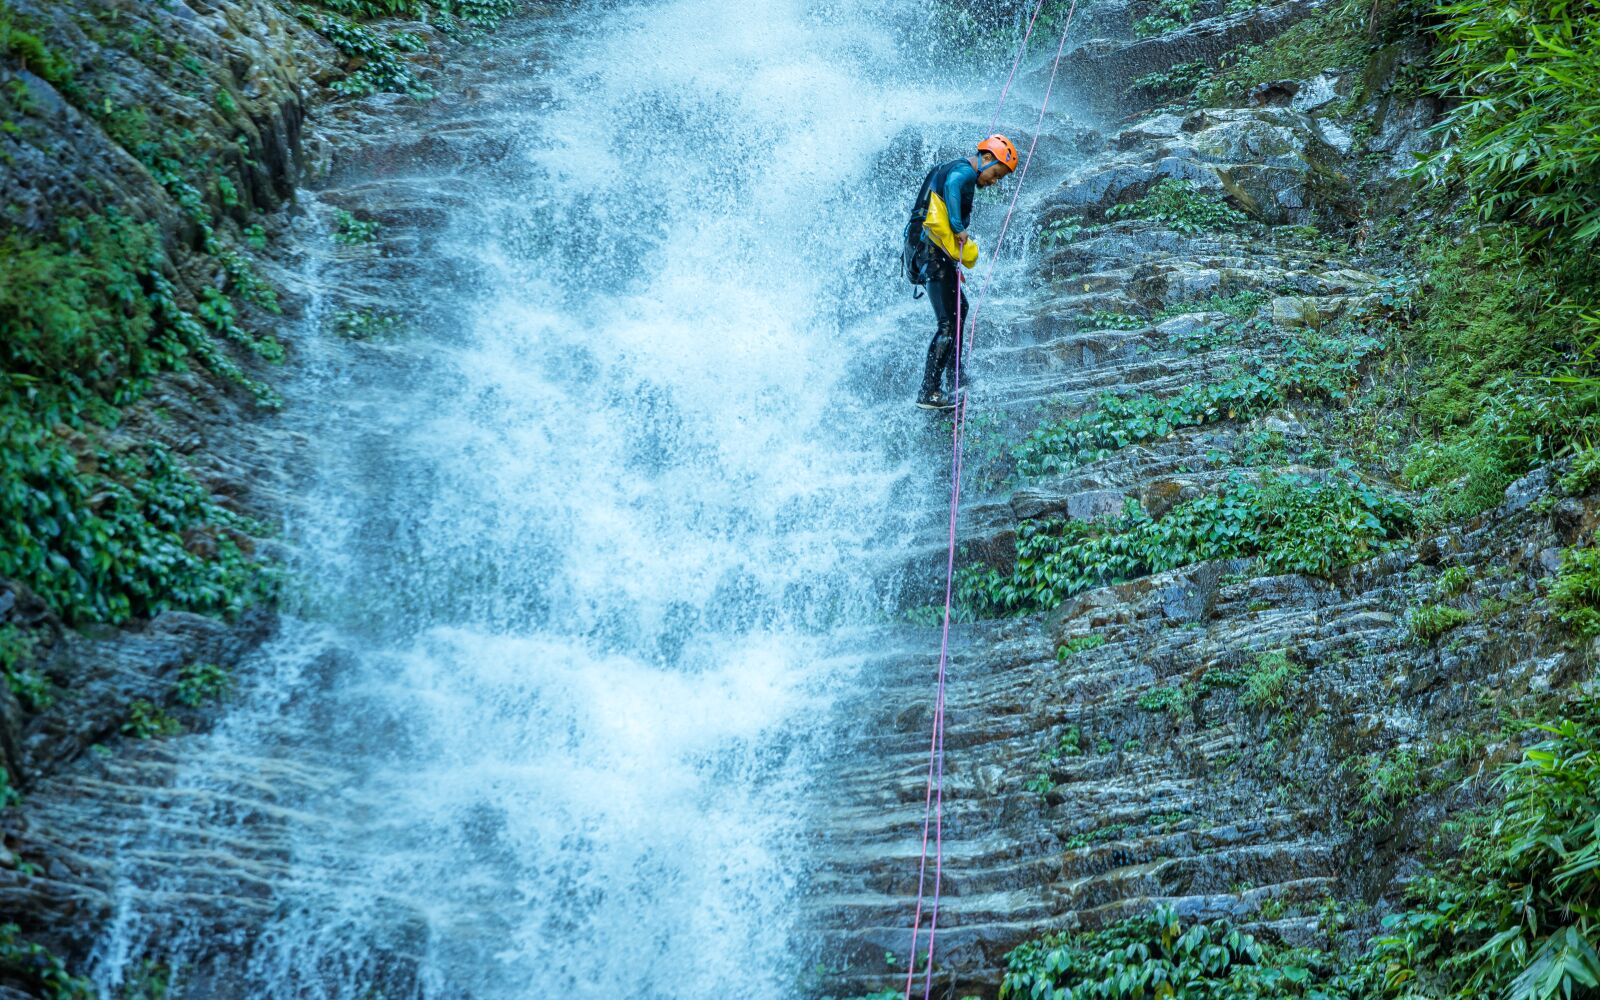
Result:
[936,239]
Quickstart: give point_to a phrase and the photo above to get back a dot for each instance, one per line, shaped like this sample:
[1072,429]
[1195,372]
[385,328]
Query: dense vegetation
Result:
[1495,353]
[1516,914]
[103,525]
[111,300]
[1290,523]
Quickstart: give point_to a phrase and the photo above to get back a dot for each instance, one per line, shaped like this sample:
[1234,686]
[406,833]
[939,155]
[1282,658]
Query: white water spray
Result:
[577,553]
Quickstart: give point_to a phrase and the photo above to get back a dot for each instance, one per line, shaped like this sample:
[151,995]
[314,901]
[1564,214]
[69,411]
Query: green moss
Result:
[1497,341]
[31,52]
[1338,35]
[1485,318]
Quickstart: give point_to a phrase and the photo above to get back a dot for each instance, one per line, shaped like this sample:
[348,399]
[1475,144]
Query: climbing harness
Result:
[933,802]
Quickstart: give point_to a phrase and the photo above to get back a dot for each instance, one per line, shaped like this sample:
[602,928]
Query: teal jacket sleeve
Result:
[958,187]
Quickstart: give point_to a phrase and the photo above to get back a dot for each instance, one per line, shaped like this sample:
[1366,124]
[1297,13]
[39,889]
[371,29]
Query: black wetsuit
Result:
[956,181]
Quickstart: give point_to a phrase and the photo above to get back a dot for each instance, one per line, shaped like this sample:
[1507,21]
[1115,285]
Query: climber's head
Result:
[999,159]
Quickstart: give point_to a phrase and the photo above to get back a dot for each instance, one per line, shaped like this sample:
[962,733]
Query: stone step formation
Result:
[1074,797]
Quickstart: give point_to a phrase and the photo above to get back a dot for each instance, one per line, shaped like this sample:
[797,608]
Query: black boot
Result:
[939,349]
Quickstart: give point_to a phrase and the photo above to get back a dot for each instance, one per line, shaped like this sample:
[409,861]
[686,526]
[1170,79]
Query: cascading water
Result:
[586,548]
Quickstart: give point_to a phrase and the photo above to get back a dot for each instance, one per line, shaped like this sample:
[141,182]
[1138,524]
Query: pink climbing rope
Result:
[1022,50]
[933,803]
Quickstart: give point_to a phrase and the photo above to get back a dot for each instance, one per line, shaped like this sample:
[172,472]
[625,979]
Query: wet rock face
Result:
[1276,163]
[63,161]
[1097,74]
[1208,737]
[232,83]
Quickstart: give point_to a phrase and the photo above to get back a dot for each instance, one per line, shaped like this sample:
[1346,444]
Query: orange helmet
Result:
[999,147]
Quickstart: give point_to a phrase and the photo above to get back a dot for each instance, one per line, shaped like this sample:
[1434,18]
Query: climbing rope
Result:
[933,803]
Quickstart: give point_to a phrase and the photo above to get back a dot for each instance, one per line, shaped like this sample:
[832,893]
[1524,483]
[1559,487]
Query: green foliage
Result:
[1167,698]
[150,981]
[1576,591]
[1167,15]
[100,533]
[31,52]
[199,683]
[1102,320]
[105,536]
[1390,779]
[31,688]
[1454,581]
[1119,421]
[1340,34]
[1211,338]
[1314,365]
[1522,82]
[1289,523]
[1079,644]
[1183,207]
[1070,743]
[351,231]
[1426,623]
[1485,321]
[43,973]
[1157,956]
[149,721]
[1240,305]
[1173,82]
[381,62]
[76,310]
[9,796]
[1098,835]
[478,13]
[1059,232]
[1584,475]
[1222,678]
[1266,684]
[360,324]
[1040,784]
[1518,914]
[1496,336]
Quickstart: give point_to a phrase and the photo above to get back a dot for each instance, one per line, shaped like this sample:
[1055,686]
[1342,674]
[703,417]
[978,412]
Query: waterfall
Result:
[589,542]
